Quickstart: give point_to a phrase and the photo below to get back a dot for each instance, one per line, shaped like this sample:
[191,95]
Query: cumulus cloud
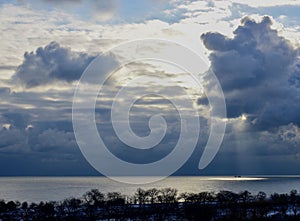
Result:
[259,71]
[51,63]
[11,138]
[36,138]
[53,140]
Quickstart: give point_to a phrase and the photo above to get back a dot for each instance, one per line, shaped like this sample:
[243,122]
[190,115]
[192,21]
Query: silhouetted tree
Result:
[203,206]
[228,201]
[168,195]
[294,201]
[204,197]
[71,206]
[280,203]
[141,196]
[2,206]
[93,199]
[152,195]
[261,204]
[116,205]
[47,211]
[115,198]
[24,205]
[11,205]
[245,197]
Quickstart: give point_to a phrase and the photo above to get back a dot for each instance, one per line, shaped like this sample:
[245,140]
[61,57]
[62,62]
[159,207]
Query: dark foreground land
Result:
[163,204]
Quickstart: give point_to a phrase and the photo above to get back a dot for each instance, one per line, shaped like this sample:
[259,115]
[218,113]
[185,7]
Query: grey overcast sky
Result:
[252,47]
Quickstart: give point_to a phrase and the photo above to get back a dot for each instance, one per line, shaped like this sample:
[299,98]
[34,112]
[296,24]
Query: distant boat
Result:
[237,176]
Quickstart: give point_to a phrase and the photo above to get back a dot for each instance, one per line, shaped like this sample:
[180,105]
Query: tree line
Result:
[159,204]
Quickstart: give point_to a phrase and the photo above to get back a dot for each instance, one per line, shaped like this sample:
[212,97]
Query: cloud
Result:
[101,10]
[267,3]
[31,137]
[51,63]
[255,85]
[53,140]
[4,91]
[63,1]
[18,119]
[11,137]
[104,10]
[259,71]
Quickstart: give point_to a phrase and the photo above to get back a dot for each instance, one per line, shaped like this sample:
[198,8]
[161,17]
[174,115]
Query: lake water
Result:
[36,189]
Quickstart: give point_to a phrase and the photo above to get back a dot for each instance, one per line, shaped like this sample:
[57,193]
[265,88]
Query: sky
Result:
[252,47]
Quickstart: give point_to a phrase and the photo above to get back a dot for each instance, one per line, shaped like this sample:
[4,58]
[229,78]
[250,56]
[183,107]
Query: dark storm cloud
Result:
[259,73]
[50,63]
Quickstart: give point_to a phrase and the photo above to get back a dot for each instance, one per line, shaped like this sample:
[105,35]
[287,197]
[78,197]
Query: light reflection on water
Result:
[35,189]
[237,178]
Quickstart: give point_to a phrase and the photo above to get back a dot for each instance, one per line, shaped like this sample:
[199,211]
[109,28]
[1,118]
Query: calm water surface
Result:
[36,189]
